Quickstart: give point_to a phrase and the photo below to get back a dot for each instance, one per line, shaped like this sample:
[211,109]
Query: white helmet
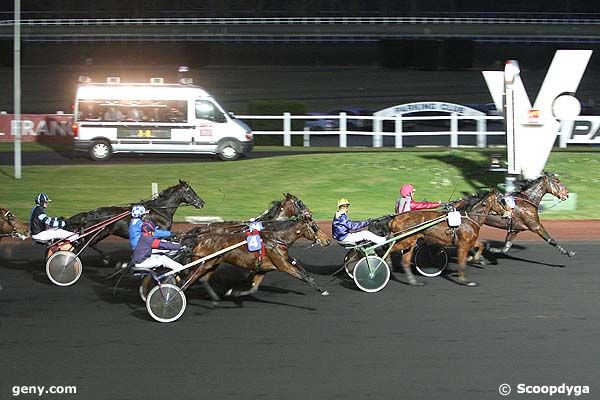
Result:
[138,210]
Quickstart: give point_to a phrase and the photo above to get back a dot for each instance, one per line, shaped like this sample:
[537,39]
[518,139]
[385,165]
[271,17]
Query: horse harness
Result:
[8,217]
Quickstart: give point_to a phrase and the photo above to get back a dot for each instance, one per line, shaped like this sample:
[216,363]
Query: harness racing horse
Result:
[525,214]
[161,211]
[290,206]
[463,237]
[273,255]
[10,226]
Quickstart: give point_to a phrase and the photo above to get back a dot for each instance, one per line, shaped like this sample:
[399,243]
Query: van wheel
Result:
[228,150]
[100,150]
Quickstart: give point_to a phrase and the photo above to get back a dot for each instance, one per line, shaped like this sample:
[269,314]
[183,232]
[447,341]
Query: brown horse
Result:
[290,206]
[10,226]
[525,214]
[276,240]
[464,237]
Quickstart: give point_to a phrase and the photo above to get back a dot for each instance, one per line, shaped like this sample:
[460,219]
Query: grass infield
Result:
[243,189]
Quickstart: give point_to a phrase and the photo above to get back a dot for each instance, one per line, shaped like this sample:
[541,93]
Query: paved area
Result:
[534,319]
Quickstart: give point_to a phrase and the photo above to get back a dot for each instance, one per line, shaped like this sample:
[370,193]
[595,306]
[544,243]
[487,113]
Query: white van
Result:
[155,117]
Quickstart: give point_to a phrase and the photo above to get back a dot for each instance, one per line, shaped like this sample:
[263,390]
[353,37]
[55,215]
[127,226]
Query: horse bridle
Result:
[9,217]
[554,190]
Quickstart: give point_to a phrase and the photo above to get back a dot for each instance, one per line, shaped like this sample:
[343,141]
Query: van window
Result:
[133,110]
[207,110]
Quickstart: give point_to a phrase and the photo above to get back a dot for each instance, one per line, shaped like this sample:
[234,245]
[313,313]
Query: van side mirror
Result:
[220,118]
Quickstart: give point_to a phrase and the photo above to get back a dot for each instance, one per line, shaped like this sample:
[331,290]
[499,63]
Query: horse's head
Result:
[309,229]
[494,202]
[554,186]
[292,206]
[188,195]
[9,224]
[289,207]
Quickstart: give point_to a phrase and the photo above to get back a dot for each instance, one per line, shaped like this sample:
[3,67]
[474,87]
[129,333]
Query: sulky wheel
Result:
[63,268]
[430,259]
[166,303]
[371,274]
[148,283]
[350,260]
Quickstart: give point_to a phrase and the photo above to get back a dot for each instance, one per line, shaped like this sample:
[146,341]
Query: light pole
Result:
[511,72]
[16,124]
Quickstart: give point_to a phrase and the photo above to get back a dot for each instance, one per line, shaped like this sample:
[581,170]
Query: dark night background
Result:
[321,75]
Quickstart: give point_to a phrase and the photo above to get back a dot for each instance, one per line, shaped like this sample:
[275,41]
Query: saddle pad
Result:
[454,219]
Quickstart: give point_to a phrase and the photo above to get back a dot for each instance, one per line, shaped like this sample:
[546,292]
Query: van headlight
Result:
[249,135]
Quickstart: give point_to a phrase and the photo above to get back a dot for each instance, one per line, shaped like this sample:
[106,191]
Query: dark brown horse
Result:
[463,238]
[290,206]
[10,226]
[525,215]
[162,209]
[276,239]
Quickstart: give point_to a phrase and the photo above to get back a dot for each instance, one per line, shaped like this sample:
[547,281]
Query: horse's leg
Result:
[539,229]
[462,253]
[478,255]
[406,266]
[508,242]
[280,261]
[256,281]
[209,289]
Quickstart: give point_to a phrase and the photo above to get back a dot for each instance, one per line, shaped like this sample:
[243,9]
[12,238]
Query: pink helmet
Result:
[406,190]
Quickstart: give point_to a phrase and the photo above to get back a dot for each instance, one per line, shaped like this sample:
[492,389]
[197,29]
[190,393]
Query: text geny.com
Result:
[42,390]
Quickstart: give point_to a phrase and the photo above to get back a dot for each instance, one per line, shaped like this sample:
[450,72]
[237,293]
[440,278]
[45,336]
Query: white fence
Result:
[453,125]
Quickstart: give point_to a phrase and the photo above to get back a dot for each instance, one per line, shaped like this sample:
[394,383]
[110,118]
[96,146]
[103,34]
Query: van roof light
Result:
[84,79]
[113,79]
[186,81]
[157,81]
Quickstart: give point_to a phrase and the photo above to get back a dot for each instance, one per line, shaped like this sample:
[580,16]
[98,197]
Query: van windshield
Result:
[132,110]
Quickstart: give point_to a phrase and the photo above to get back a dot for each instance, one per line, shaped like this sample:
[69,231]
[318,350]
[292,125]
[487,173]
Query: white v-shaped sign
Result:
[533,142]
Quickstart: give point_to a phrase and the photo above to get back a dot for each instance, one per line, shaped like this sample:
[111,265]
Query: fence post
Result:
[343,130]
[287,127]
[481,130]
[453,130]
[398,126]
[377,127]
[306,137]
[154,190]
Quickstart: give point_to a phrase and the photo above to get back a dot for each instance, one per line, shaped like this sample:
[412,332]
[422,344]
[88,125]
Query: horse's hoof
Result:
[229,293]
[105,261]
[470,284]
[415,282]
[571,253]
[324,293]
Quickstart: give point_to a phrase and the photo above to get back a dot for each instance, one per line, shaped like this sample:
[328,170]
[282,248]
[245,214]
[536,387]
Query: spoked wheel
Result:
[430,259]
[63,268]
[371,274]
[148,283]
[352,257]
[166,303]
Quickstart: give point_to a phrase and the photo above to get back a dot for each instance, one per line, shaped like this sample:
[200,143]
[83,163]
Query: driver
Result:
[144,258]
[344,230]
[135,226]
[406,203]
[45,228]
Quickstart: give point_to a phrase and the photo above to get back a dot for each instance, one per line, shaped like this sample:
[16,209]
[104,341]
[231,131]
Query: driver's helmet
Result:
[138,210]
[148,228]
[42,198]
[406,190]
[343,202]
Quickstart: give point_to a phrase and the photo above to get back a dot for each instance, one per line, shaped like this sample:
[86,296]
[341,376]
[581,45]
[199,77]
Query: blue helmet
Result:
[138,210]
[42,198]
